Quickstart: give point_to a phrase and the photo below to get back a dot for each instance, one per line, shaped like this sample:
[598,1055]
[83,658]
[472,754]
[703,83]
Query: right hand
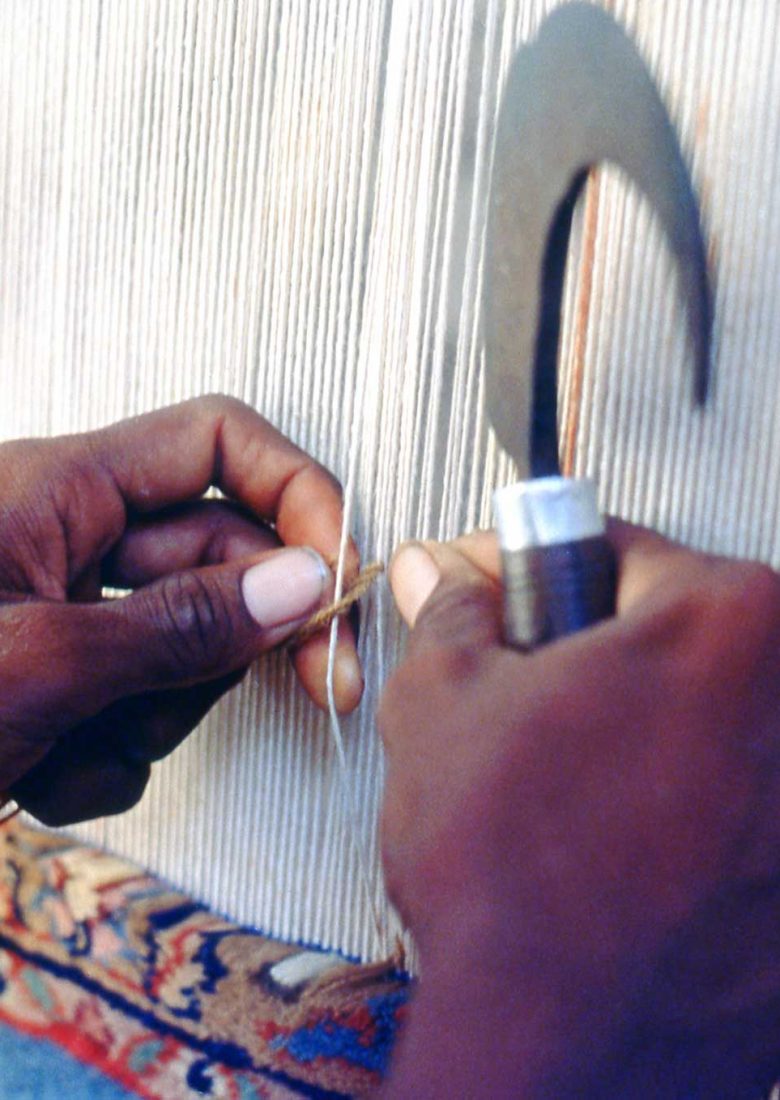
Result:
[585,840]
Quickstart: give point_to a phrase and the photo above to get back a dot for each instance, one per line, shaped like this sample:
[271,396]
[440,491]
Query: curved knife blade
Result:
[579,94]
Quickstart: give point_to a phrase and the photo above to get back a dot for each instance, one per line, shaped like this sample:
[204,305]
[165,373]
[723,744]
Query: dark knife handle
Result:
[559,568]
[551,591]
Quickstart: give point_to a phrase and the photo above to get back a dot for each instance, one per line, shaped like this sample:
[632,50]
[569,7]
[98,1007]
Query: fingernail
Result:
[413,576]
[285,586]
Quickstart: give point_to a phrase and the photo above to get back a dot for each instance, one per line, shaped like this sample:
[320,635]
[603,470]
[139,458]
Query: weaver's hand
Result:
[92,691]
[586,840]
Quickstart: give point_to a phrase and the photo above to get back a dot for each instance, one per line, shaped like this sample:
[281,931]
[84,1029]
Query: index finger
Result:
[175,454]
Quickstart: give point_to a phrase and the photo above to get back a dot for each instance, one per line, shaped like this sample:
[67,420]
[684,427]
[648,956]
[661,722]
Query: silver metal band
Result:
[547,511]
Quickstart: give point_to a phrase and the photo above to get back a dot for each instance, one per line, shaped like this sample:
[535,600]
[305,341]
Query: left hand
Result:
[93,691]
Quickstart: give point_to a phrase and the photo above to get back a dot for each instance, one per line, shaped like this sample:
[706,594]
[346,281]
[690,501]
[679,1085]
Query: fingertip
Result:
[311,665]
[626,536]
[413,575]
[347,679]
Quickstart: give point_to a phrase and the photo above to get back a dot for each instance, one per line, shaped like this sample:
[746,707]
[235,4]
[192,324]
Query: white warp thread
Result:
[285,201]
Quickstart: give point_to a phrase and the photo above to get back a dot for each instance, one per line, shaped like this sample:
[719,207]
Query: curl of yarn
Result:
[322,618]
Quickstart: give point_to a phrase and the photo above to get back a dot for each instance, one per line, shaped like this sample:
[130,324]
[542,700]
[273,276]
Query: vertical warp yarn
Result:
[286,202]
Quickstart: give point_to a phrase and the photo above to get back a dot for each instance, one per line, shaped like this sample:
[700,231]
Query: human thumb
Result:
[444,597]
[62,663]
[202,623]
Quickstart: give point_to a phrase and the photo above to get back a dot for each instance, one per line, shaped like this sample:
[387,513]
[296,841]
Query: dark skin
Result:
[93,691]
[585,840]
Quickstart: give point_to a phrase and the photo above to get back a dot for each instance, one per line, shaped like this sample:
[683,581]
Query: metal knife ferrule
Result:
[558,567]
[546,510]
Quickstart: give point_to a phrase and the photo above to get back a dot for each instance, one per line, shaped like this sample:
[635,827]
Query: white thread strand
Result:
[286,202]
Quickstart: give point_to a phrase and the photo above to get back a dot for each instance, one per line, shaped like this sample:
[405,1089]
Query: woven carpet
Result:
[113,984]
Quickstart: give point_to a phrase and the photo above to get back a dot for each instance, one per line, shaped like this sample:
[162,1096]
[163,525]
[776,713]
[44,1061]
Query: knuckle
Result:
[746,612]
[742,599]
[214,406]
[81,488]
[25,474]
[53,490]
[723,625]
[460,611]
[195,621]
[751,589]
[311,469]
